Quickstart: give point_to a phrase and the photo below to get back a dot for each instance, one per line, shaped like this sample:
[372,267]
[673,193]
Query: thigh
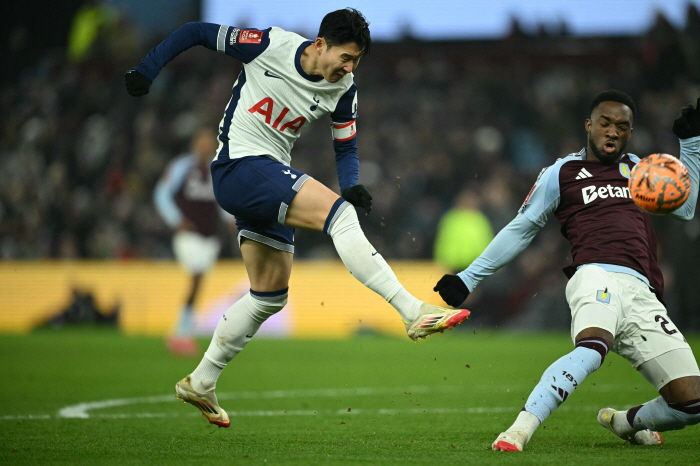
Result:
[595,301]
[674,374]
[648,331]
[311,206]
[268,268]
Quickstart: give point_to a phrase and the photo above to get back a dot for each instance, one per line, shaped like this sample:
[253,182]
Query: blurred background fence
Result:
[448,123]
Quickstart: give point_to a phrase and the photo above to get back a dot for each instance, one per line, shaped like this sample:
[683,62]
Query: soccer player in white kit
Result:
[287,82]
[616,287]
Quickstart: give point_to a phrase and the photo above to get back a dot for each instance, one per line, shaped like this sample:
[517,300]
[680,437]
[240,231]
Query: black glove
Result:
[359,197]
[687,125]
[136,83]
[452,290]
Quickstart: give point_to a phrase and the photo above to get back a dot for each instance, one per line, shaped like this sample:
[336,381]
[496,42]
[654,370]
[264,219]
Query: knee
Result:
[266,304]
[596,333]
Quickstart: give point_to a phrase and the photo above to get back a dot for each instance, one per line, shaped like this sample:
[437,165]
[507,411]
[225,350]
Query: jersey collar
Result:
[297,63]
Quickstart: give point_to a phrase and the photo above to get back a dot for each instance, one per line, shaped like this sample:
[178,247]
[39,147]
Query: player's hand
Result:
[452,290]
[359,197]
[136,83]
[687,125]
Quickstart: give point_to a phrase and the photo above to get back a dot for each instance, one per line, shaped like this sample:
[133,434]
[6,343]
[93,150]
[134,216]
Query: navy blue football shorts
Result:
[257,190]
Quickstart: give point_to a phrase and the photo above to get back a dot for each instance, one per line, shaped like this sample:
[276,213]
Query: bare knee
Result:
[595,332]
[681,390]
[268,269]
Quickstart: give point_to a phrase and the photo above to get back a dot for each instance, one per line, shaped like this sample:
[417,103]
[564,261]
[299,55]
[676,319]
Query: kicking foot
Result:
[510,441]
[205,402]
[642,437]
[432,319]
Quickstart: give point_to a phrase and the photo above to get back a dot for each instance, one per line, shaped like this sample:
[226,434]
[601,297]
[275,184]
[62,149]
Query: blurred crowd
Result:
[80,157]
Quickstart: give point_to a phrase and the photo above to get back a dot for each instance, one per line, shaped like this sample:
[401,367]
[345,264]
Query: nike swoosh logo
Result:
[270,75]
[374,253]
[249,336]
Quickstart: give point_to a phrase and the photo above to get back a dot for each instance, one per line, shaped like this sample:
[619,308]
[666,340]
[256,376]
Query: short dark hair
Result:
[612,95]
[347,25]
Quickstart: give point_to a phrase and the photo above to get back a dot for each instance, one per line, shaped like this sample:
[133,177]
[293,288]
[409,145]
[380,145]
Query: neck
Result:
[592,157]
[309,61]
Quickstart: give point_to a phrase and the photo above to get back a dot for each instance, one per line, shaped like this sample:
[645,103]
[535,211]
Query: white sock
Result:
[525,422]
[235,329]
[365,263]
[620,424]
[407,304]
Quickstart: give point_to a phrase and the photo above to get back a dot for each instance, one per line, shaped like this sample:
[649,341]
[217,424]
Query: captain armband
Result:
[344,131]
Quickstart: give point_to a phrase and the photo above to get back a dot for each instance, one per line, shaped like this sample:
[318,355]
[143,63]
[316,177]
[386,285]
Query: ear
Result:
[319,44]
[588,125]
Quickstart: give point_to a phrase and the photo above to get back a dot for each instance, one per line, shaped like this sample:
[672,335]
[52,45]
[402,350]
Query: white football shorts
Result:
[195,252]
[626,307]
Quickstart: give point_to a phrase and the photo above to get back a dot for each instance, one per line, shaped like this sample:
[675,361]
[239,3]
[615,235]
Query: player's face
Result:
[339,60]
[609,130]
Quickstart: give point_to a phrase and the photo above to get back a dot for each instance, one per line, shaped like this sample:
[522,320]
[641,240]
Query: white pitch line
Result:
[82,410]
[271,413]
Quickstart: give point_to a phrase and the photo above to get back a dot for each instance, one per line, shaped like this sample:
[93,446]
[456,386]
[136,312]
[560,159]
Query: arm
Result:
[508,243]
[225,39]
[690,156]
[347,163]
[540,203]
[687,128]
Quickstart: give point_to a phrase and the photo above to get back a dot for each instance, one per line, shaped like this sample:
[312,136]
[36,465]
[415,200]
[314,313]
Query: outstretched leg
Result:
[318,208]
[557,383]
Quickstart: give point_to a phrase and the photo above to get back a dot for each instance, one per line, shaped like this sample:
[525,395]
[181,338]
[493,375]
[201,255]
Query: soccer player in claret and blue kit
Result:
[286,83]
[615,287]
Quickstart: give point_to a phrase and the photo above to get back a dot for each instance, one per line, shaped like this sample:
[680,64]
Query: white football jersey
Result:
[273,99]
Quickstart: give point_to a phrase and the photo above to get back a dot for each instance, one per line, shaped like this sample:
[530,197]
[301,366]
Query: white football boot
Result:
[205,402]
[642,437]
[510,441]
[432,319]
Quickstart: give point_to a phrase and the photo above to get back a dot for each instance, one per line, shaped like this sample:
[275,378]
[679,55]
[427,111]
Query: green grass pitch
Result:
[92,396]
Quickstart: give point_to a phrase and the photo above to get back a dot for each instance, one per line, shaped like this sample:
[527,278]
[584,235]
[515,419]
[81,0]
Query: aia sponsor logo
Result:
[249,36]
[591,193]
[266,108]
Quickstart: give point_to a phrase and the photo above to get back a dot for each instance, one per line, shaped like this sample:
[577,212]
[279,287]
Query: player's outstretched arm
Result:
[687,128]
[508,243]
[212,36]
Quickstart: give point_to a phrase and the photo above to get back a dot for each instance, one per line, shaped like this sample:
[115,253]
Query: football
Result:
[659,183]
